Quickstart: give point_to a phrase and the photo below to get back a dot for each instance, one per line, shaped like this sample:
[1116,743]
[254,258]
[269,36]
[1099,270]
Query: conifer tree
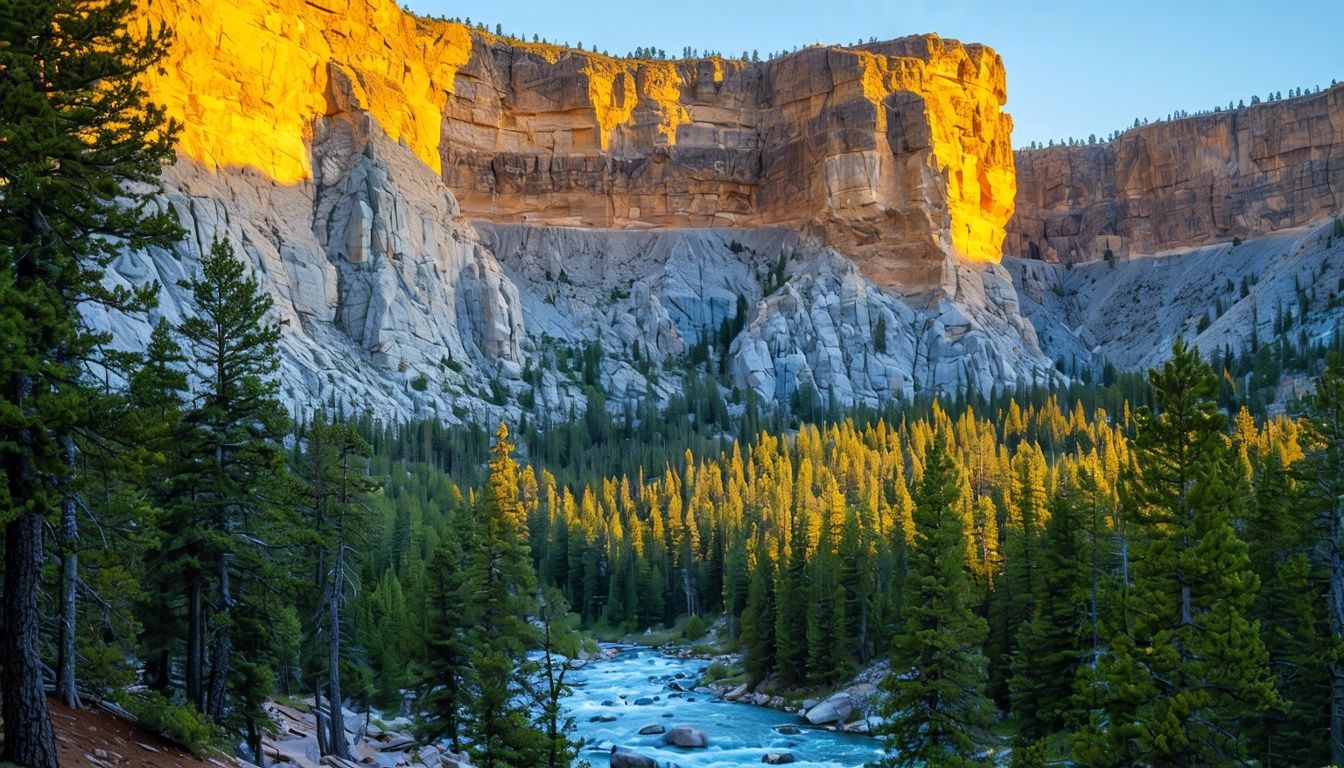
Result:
[1191,647]
[232,487]
[1323,473]
[332,469]
[936,709]
[75,130]
[447,683]
[1052,645]
[503,587]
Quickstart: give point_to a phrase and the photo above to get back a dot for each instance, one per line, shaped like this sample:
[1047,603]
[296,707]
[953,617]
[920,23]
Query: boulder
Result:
[643,701]
[835,709]
[788,730]
[778,758]
[624,758]
[737,693]
[686,737]
[650,730]
[602,719]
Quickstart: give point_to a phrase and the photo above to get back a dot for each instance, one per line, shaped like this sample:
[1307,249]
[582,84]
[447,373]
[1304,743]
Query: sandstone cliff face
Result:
[897,153]
[443,217]
[1235,174]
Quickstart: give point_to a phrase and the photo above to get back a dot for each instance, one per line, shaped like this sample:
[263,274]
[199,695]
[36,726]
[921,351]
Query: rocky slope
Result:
[1239,173]
[1128,313]
[442,215]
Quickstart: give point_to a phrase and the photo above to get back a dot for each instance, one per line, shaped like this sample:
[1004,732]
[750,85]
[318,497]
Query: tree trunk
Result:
[1336,666]
[220,650]
[195,671]
[254,742]
[320,718]
[339,746]
[28,739]
[65,654]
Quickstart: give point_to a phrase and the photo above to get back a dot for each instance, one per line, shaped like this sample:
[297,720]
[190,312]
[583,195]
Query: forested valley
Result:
[1140,571]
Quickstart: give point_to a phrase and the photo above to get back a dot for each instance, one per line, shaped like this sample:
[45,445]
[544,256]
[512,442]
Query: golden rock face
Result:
[248,78]
[897,153]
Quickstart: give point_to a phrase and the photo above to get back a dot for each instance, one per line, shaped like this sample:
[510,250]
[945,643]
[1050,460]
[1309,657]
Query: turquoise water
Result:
[739,734]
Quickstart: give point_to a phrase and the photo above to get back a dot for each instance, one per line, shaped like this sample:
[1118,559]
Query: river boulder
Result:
[650,730]
[835,709]
[777,758]
[624,758]
[686,737]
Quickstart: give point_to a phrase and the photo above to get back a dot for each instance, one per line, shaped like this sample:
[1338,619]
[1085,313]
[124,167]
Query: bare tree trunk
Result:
[220,649]
[195,671]
[28,739]
[65,656]
[320,718]
[339,746]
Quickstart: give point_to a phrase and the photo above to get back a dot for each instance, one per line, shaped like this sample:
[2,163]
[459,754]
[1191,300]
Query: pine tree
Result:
[332,469]
[1290,607]
[791,607]
[758,619]
[936,709]
[1191,646]
[155,392]
[1052,645]
[75,129]
[233,508]
[1323,472]
[503,587]
[447,683]
[557,641]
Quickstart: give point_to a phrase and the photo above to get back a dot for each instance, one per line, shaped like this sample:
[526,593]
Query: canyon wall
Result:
[445,217]
[896,153]
[1172,185]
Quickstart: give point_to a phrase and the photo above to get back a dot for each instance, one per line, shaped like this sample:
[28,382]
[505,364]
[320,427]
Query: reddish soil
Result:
[97,738]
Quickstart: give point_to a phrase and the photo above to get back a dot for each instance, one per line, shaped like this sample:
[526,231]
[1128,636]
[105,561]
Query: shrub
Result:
[420,383]
[179,722]
[695,628]
[718,671]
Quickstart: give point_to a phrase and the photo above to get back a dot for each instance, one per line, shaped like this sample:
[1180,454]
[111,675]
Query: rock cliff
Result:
[445,217]
[897,153]
[1196,181]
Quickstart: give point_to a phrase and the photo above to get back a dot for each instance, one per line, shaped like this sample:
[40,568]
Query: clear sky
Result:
[1074,68]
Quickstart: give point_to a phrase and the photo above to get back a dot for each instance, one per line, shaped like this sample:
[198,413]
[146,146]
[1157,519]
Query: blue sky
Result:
[1074,68]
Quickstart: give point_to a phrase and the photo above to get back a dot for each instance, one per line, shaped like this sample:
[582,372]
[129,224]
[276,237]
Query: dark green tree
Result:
[503,587]
[1191,647]
[936,710]
[1323,475]
[447,684]
[80,152]
[332,468]
[233,494]
[1054,642]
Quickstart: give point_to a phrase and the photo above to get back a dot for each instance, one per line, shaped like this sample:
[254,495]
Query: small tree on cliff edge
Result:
[75,129]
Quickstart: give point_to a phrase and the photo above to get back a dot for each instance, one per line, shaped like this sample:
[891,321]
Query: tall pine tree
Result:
[1184,682]
[937,713]
[80,151]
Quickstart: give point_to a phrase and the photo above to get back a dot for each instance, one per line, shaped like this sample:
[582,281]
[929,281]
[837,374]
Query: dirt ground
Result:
[99,739]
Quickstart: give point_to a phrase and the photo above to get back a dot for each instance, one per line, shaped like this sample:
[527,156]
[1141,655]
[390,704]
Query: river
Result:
[739,734]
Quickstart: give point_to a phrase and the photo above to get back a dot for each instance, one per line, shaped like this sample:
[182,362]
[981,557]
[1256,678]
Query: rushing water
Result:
[739,734]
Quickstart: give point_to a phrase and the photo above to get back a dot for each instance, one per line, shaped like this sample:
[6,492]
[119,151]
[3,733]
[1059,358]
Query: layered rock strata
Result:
[1231,174]
[897,153]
